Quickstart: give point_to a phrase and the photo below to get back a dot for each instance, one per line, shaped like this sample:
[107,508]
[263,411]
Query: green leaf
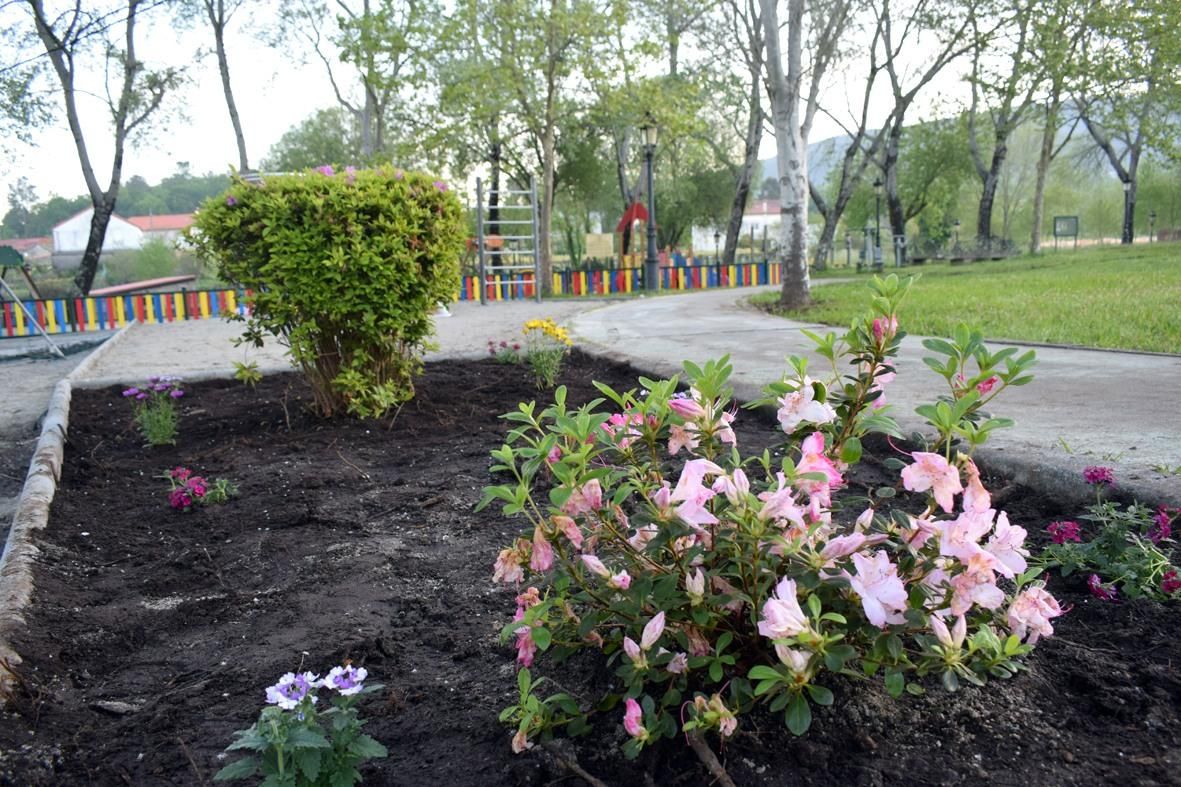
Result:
[542,637]
[798,715]
[303,738]
[367,748]
[851,451]
[820,695]
[308,761]
[763,672]
[240,769]
[895,683]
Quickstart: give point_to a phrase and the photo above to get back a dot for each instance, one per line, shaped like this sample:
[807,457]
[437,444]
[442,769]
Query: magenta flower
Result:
[350,175]
[180,499]
[176,393]
[1101,591]
[1061,532]
[1096,475]
[399,175]
[440,185]
[141,395]
[291,690]
[1162,526]
[326,169]
[231,201]
[181,474]
[1170,583]
[346,680]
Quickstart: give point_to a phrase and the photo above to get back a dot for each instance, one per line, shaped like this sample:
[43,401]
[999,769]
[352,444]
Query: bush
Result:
[346,269]
[719,583]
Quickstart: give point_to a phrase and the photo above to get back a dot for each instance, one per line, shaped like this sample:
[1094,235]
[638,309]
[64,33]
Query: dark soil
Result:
[152,634]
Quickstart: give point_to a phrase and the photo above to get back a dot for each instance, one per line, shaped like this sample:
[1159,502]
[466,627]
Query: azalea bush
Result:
[346,268]
[546,346]
[1124,550]
[155,408]
[714,582]
[187,490]
[296,743]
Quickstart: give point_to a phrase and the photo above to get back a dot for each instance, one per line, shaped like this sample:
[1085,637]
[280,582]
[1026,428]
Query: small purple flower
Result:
[1099,475]
[351,175]
[131,392]
[1061,532]
[141,396]
[346,680]
[326,169]
[291,690]
[230,201]
[176,393]
[1099,590]
[154,379]
[160,387]
[440,185]
[399,175]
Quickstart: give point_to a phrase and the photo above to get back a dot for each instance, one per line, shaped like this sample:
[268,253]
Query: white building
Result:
[69,237]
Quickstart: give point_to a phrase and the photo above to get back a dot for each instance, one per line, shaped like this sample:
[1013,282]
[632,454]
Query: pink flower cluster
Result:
[1096,475]
[1061,532]
[187,490]
[700,417]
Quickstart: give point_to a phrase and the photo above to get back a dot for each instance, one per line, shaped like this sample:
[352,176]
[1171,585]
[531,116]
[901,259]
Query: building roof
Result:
[24,244]
[162,223]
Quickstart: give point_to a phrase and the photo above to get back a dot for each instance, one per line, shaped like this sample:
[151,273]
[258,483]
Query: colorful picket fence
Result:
[79,315]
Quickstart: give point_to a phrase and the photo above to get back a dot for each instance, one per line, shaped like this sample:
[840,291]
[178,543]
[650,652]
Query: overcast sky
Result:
[273,93]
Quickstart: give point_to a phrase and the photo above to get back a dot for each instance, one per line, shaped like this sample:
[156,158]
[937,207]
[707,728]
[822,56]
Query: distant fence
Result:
[81,315]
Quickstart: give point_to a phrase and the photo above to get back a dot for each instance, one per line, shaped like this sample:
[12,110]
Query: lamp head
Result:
[648,130]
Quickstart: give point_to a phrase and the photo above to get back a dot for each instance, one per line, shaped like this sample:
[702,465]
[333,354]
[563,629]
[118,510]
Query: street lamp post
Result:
[1151,225]
[1127,233]
[848,248]
[957,235]
[717,246]
[877,232]
[651,264]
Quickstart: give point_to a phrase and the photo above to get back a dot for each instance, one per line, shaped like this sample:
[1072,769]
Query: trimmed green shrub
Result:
[345,268]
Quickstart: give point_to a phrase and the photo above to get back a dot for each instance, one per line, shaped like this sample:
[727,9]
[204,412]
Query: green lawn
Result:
[1115,297]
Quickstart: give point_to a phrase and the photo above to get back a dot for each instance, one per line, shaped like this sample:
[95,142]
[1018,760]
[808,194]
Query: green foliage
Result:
[156,420]
[327,135]
[247,373]
[1129,547]
[346,269]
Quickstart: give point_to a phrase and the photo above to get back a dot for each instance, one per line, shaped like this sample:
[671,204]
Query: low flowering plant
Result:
[296,743]
[155,408]
[546,345]
[1131,548]
[714,582]
[505,352]
[188,490]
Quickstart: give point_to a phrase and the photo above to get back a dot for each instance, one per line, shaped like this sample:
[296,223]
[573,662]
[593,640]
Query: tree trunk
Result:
[217,18]
[1045,155]
[494,195]
[895,212]
[790,151]
[626,193]
[750,159]
[545,208]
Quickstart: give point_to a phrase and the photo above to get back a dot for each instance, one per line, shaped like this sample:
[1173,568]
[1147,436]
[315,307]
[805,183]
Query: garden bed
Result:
[153,633]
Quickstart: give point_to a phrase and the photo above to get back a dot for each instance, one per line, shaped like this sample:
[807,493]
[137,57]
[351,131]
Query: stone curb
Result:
[32,509]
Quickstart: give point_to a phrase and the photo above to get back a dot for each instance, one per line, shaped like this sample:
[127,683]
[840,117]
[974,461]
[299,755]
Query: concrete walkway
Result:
[1084,407]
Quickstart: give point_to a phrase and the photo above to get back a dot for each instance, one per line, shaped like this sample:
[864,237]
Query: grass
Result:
[1112,297]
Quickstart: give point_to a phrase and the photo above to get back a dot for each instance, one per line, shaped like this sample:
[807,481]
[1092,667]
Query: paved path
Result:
[1085,407]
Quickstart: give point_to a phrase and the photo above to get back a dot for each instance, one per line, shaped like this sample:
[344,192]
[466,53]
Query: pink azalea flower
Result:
[326,169]
[795,660]
[618,424]
[695,587]
[976,497]
[931,471]
[652,632]
[814,460]
[584,499]
[884,328]
[734,486]
[643,536]
[953,639]
[679,664]
[864,520]
[662,498]
[595,566]
[633,718]
[681,437]
[693,495]
[880,381]
[687,408]
[984,387]
[920,532]
[620,581]
[960,537]
[801,406]
[569,528]
[782,616]
[1006,545]
[883,596]
[526,647]
[543,554]
[508,565]
[1030,614]
[780,504]
[842,546]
